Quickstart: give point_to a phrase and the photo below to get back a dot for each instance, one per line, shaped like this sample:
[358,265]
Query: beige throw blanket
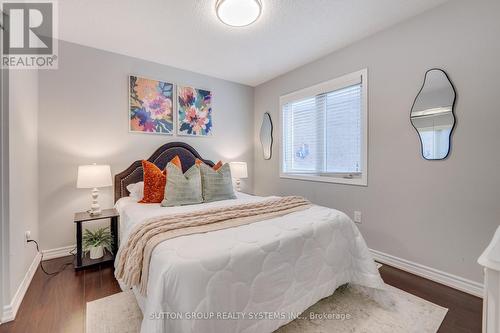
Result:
[134,256]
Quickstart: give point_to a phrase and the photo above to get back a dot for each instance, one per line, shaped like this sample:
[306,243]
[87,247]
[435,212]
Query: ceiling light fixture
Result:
[238,13]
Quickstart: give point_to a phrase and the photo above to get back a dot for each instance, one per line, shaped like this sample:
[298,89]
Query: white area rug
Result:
[352,312]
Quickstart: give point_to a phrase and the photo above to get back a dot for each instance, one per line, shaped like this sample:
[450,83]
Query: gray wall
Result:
[84,119]
[4,189]
[22,174]
[443,213]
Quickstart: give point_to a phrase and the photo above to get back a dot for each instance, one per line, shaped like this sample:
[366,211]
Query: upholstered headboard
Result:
[160,157]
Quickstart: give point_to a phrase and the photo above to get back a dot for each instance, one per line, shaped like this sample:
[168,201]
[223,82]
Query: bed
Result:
[251,278]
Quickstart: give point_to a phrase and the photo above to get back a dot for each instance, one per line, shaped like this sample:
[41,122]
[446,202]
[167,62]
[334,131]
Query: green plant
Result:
[100,237]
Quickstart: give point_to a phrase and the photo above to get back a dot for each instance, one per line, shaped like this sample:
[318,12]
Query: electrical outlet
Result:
[357,217]
[27,235]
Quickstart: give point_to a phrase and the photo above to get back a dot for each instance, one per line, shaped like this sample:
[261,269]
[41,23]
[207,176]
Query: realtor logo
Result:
[28,35]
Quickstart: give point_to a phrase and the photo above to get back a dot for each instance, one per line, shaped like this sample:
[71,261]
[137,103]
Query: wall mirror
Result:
[266,136]
[432,114]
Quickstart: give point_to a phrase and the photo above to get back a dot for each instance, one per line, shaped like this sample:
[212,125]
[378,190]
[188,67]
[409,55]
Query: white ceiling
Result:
[187,34]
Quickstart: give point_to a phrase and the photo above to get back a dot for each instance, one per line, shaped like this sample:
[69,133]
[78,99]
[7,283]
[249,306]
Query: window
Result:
[323,128]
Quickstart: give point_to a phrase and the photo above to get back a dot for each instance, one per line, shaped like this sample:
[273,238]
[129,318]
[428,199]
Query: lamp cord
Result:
[63,266]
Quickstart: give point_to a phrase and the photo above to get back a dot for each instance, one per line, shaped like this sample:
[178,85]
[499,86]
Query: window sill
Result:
[325,179]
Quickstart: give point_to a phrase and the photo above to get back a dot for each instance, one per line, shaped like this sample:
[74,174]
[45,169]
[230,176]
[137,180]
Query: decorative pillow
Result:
[216,184]
[216,166]
[155,180]
[136,190]
[182,189]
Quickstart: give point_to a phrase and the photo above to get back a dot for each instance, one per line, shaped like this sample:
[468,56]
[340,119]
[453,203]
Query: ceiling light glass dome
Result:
[238,13]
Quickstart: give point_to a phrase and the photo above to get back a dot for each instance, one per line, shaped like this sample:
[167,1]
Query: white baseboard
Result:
[450,280]
[10,310]
[58,252]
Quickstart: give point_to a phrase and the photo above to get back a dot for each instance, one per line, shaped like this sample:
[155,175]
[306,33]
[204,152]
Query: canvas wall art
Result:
[194,111]
[151,106]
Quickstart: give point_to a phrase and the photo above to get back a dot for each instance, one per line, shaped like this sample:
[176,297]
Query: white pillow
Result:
[136,190]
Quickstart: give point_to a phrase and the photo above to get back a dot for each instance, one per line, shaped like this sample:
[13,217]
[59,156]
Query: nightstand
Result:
[81,261]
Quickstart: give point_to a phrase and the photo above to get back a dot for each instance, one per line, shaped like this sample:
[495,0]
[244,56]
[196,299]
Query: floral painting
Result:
[151,106]
[195,111]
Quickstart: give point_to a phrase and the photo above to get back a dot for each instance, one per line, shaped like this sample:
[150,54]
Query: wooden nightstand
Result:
[81,261]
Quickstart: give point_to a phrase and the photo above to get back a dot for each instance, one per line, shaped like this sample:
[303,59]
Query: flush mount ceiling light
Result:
[238,13]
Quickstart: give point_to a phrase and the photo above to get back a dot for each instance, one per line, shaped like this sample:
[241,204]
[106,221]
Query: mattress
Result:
[253,278]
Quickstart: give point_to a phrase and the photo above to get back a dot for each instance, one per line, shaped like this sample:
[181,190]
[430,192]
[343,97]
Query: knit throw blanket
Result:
[134,256]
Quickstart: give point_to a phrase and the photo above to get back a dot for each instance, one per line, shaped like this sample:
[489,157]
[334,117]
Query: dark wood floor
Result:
[464,310]
[57,304]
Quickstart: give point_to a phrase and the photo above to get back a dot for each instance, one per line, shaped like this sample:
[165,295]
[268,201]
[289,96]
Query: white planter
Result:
[96,252]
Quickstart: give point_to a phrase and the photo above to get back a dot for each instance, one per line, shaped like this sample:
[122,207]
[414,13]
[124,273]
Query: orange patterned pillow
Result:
[155,181]
[216,167]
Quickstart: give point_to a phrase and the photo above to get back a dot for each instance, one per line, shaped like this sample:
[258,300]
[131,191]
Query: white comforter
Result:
[253,278]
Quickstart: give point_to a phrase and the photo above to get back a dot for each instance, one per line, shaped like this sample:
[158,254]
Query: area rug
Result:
[347,310]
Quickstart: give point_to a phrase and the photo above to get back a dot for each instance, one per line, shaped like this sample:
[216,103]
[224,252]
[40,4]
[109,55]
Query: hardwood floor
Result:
[464,310]
[57,303]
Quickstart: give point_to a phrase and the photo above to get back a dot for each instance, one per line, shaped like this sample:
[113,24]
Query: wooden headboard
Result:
[163,155]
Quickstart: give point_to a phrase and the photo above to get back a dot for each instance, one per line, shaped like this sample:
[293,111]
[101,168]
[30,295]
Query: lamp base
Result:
[94,212]
[95,209]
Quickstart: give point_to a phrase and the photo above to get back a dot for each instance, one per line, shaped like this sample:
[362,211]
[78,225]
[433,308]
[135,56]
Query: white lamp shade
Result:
[239,170]
[92,176]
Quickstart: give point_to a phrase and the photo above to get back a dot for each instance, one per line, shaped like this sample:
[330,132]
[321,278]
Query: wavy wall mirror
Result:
[432,114]
[266,136]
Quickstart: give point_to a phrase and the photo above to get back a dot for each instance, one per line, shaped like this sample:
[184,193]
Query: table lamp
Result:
[238,171]
[94,176]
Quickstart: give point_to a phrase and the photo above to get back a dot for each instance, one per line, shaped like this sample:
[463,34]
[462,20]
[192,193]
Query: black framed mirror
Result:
[432,114]
[266,136]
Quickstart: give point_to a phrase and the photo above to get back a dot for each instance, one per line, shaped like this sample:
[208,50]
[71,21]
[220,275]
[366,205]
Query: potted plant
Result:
[95,242]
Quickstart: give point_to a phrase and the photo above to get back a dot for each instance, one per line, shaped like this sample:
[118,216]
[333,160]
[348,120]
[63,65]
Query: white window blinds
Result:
[322,134]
